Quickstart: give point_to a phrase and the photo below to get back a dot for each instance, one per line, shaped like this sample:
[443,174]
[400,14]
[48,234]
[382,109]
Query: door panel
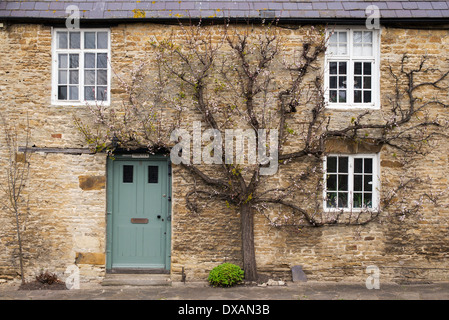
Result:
[139,214]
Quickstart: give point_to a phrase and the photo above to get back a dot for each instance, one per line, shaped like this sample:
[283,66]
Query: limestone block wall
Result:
[66,220]
[66,223]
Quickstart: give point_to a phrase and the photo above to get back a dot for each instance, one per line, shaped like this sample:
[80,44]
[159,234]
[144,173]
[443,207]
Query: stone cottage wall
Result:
[66,220]
[67,216]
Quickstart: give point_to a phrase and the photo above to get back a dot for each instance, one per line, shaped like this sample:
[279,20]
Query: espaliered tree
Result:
[267,78]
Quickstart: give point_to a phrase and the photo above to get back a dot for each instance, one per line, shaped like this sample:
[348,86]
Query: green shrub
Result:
[225,275]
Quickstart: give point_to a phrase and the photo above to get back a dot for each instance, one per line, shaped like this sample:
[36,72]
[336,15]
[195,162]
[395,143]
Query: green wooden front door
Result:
[139,224]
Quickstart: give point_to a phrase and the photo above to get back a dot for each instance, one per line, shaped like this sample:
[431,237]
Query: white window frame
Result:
[81,51]
[350,58]
[375,182]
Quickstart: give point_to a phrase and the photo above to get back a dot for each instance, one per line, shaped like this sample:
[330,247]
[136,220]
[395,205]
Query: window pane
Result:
[342,96]
[342,67]
[358,180]
[153,174]
[357,36]
[358,165]
[102,60]
[331,199]
[73,77]
[89,93]
[89,40]
[342,82]
[334,37]
[333,96]
[342,200]
[333,82]
[62,77]
[368,165]
[102,40]
[101,93]
[366,96]
[333,67]
[357,68]
[89,60]
[331,163]
[331,182]
[358,49]
[357,201]
[342,182]
[128,174]
[342,37]
[367,82]
[367,50]
[368,200]
[342,49]
[74,40]
[62,40]
[343,164]
[368,183]
[62,92]
[62,61]
[367,36]
[333,48]
[74,61]
[367,68]
[358,82]
[102,77]
[89,77]
[73,93]
[358,96]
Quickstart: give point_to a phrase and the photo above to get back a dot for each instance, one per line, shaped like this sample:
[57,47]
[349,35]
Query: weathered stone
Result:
[298,274]
[90,258]
[351,147]
[92,182]
[391,164]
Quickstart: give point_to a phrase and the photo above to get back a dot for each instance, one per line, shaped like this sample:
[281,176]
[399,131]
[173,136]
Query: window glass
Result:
[153,172]
[363,43]
[350,75]
[74,40]
[338,43]
[337,81]
[62,40]
[89,40]
[362,82]
[82,65]
[102,40]
[349,182]
[128,173]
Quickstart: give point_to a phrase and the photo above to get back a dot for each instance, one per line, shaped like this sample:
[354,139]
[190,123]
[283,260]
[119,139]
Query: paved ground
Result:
[291,291]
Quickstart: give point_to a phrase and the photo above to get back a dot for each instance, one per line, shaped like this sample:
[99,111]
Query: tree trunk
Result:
[19,240]
[249,253]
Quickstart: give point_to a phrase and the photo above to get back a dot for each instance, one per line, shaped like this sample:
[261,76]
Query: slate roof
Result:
[288,9]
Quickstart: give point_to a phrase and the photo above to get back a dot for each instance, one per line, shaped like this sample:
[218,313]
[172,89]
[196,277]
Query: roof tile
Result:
[409,5]
[41,5]
[109,9]
[394,5]
[439,5]
[424,5]
[12,5]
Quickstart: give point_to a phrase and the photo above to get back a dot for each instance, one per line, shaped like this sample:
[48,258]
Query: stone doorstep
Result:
[136,280]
